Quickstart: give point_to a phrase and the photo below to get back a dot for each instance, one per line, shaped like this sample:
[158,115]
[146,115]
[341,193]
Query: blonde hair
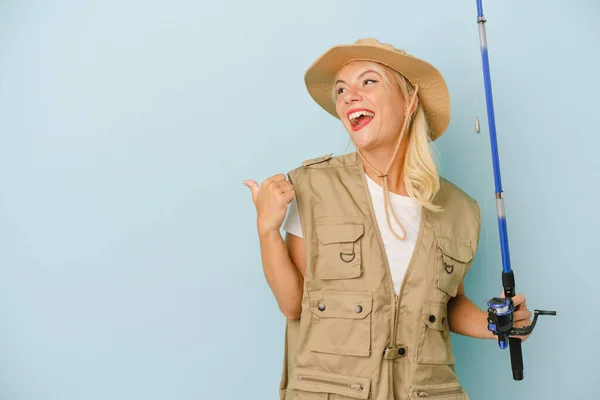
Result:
[420,171]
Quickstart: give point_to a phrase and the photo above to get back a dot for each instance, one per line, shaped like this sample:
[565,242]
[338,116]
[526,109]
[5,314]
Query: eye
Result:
[369,81]
[340,90]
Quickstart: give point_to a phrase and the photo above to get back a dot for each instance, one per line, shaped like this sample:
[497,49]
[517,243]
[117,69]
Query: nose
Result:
[352,97]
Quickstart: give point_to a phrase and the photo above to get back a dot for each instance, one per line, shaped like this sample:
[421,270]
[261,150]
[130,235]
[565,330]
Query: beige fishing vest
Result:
[355,338]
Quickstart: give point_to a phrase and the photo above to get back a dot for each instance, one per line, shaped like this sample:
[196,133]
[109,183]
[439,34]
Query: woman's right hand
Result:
[271,200]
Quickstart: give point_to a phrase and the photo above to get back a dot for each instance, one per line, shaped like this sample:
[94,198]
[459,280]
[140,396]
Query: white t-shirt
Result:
[398,251]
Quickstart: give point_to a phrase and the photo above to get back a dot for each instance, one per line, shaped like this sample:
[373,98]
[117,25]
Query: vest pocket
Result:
[445,391]
[341,322]
[339,249]
[292,328]
[434,346]
[454,256]
[309,384]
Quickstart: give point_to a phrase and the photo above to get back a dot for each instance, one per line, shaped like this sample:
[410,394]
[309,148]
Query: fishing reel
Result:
[500,320]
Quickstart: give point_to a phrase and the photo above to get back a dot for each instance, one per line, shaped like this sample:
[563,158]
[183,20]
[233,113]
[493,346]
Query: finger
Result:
[522,316]
[274,182]
[519,300]
[277,178]
[286,187]
[254,188]
[288,196]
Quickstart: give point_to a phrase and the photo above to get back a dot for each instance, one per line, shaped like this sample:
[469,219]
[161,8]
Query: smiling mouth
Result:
[360,118]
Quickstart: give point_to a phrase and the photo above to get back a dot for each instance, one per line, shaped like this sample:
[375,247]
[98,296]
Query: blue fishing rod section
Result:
[506,266]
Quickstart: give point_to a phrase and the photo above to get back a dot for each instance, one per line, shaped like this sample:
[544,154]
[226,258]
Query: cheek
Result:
[338,106]
[393,113]
[341,115]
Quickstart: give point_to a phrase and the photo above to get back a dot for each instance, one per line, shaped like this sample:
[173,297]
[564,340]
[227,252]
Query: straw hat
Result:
[433,92]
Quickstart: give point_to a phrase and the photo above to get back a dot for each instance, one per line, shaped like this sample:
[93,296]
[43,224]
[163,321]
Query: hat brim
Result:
[433,91]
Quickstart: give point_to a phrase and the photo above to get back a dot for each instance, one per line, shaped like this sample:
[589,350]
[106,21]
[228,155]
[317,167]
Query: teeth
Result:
[357,114]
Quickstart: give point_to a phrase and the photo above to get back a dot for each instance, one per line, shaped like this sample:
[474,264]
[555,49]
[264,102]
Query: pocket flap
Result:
[339,233]
[341,304]
[434,315]
[455,248]
[310,380]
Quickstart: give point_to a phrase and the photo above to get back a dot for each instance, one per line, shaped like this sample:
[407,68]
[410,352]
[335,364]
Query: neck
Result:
[380,159]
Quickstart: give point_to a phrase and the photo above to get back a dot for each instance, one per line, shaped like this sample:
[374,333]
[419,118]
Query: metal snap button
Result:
[321,307]
[358,308]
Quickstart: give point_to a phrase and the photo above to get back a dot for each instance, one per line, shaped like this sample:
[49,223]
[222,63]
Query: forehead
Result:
[354,68]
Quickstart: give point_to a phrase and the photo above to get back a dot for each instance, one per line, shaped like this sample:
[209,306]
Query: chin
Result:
[364,139]
[363,144]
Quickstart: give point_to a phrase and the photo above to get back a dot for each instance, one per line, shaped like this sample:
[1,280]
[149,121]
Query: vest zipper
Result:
[354,386]
[407,274]
[437,392]
[380,240]
[388,272]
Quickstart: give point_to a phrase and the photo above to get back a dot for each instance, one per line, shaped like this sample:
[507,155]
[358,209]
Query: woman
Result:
[370,275]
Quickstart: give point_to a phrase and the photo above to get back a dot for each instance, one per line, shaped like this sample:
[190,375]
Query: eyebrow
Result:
[360,76]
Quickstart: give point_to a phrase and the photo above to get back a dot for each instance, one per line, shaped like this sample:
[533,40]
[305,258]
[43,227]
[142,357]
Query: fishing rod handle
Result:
[516,358]
[516,354]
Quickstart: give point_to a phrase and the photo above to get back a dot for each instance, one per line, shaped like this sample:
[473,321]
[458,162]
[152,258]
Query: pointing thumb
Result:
[254,188]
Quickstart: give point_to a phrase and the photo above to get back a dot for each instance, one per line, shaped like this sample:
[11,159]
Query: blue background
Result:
[129,262]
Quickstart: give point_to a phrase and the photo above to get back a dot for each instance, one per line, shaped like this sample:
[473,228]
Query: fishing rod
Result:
[500,309]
